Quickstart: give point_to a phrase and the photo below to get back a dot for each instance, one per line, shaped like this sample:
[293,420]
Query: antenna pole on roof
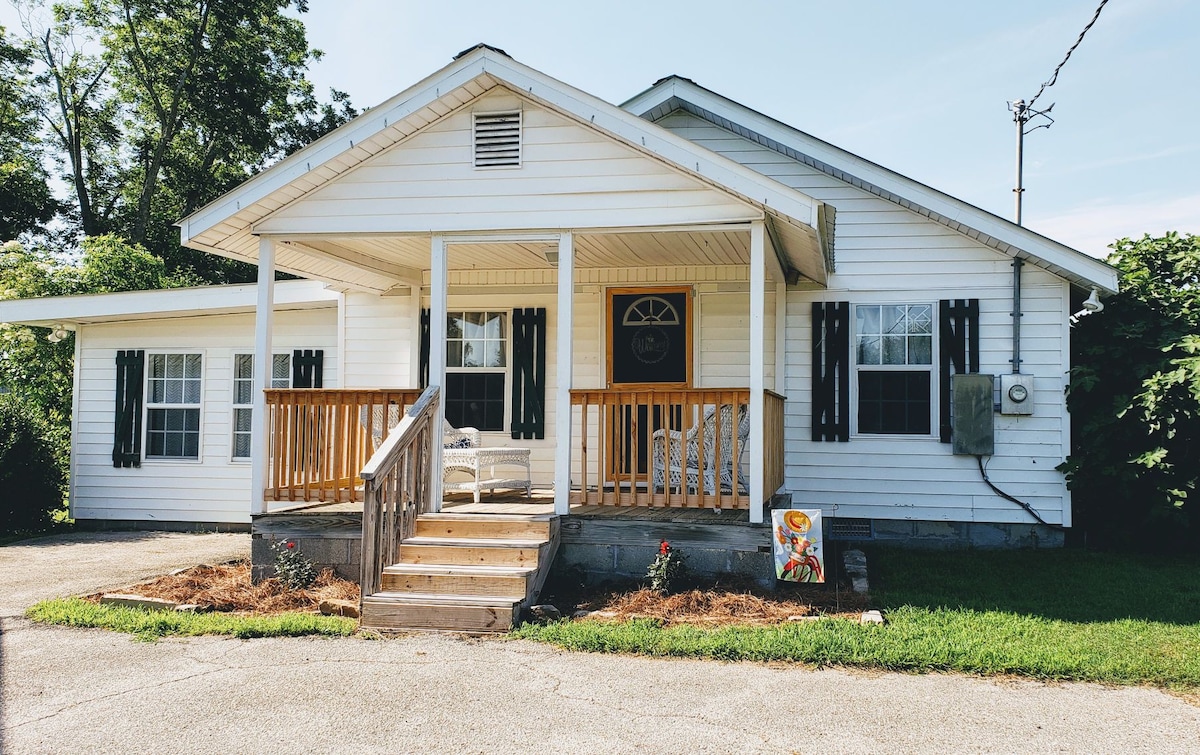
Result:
[1020,115]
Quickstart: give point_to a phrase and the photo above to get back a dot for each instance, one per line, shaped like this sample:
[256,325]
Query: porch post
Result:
[414,355]
[758,299]
[264,314]
[563,375]
[437,355]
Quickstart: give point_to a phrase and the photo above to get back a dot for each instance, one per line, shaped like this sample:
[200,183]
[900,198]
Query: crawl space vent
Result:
[497,139]
[843,528]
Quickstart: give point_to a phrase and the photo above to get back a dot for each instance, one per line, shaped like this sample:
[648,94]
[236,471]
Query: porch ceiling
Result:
[403,259]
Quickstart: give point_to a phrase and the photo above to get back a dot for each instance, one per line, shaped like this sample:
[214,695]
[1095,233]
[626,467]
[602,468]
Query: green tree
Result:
[26,201]
[159,106]
[1135,400]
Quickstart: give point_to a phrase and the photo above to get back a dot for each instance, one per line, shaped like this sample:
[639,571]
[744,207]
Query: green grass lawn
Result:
[1057,614]
[151,624]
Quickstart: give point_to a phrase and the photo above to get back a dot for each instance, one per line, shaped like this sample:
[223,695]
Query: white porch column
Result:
[563,375]
[264,316]
[780,335]
[414,356]
[437,354]
[758,299]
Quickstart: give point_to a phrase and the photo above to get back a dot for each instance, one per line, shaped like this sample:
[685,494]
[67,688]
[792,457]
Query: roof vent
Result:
[497,139]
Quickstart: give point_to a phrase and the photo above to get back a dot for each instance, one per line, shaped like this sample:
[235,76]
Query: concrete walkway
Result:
[69,690]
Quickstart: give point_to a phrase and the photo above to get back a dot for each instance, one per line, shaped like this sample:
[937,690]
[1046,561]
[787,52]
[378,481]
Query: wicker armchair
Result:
[384,418]
[676,457]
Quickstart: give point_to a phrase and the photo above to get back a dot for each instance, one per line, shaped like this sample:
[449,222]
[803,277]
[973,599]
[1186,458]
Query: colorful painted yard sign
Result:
[799,556]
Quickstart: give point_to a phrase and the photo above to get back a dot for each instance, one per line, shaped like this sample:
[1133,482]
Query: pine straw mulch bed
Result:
[227,587]
[720,604]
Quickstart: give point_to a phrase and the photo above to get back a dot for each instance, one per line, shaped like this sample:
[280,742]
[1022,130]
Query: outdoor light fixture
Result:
[57,333]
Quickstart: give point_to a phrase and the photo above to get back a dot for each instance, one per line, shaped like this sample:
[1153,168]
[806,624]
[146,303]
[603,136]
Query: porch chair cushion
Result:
[676,457]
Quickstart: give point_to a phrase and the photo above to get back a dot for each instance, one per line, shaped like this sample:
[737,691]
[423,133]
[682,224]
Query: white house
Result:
[584,280]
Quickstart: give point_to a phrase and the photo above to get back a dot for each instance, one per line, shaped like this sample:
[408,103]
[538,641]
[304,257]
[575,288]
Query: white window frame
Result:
[931,368]
[506,370]
[276,382]
[148,406]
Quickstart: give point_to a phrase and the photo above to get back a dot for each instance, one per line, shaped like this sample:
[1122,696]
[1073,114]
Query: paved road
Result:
[91,691]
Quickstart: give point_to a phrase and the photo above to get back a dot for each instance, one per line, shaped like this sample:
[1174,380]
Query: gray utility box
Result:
[1016,394]
[973,427]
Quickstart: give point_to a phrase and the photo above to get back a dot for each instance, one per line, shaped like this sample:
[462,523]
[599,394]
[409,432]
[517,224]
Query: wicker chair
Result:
[384,418]
[683,454]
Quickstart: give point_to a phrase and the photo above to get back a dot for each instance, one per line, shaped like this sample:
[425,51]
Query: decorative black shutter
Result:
[308,367]
[424,365]
[529,373]
[127,433]
[831,371]
[958,350]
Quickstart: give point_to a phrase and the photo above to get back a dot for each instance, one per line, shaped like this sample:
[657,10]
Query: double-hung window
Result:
[893,347]
[476,369]
[173,406]
[243,395]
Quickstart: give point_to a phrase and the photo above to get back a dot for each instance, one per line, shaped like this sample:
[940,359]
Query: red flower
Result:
[291,545]
[664,548]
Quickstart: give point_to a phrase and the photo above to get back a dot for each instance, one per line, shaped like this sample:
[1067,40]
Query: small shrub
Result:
[31,475]
[292,568]
[666,568]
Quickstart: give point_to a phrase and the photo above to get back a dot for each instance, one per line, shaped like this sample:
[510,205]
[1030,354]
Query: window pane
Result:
[868,350]
[157,365]
[920,350]
[191,392]
[495,353]
[243,392]
[191,420]
[281,371]
[154,444]
[920,319]
[157,391]
[242,420]
[191,445]
[473,354]
[241,445]
[174,445]
[454,354]
[175,366]
[893,350]
[454,325]
[868,319]
[495,326]
[243,366]
[174,390]
[174,419]
[192,366]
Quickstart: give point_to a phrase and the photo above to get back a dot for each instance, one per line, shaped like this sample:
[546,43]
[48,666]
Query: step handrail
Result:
[396,488]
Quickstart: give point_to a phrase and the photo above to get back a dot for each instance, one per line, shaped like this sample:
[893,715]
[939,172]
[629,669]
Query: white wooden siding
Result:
[379,337]
[213,488]
[571,177]
[885,253]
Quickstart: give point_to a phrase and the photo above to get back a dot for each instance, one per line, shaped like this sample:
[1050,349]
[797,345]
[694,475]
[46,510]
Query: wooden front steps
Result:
[471,573]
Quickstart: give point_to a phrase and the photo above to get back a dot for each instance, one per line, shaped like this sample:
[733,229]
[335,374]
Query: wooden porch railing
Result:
[772,442]
[651,447]
[396,488]
[318,439]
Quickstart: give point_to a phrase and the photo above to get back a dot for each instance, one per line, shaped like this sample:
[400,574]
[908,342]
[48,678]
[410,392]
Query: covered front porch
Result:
[598,430]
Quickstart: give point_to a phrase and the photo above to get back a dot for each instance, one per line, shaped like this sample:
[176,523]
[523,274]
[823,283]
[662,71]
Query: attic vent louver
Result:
[497,139]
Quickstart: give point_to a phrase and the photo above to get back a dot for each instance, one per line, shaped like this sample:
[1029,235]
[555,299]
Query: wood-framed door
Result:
[648,346]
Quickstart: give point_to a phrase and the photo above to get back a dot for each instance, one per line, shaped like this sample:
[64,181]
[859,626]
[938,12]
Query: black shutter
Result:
[529,373]
[308,367]
[958,350]
[424,365]
[831,371]
[127,432]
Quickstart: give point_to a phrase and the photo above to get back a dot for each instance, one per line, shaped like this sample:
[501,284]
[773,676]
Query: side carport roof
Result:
[226,225]
[71,311]
[678,93]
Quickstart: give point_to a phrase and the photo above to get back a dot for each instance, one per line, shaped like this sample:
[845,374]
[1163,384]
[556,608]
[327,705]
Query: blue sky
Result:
[919,87]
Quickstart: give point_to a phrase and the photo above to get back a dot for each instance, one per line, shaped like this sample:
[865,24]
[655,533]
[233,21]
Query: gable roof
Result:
[678,93]
[226,225]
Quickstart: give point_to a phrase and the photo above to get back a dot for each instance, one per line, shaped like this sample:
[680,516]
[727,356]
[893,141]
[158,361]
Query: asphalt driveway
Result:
[65,690]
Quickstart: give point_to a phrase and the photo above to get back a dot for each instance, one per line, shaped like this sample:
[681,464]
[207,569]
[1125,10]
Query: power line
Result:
[1058,68]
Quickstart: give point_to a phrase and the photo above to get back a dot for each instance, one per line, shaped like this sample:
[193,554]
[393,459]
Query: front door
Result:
[649,347]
